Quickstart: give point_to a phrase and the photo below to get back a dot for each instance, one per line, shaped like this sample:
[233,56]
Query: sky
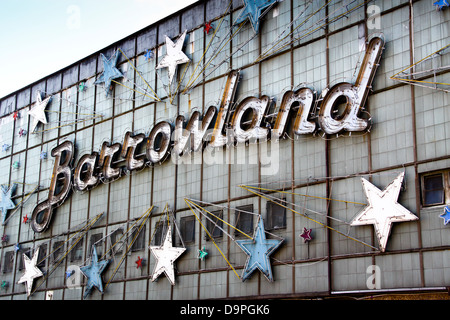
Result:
[40,37]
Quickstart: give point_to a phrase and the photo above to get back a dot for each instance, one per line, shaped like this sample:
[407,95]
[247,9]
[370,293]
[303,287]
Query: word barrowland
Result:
[340,110]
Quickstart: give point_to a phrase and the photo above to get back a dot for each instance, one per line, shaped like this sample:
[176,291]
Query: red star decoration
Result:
[16,115]
[25,219]
[306,234]
[139,262]
[208,27]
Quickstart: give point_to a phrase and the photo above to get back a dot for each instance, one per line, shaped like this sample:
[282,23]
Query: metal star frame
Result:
[254,10]
[446,215]
[93,273]
[110,72]
[37,112]
[6,203]
[258,251]
[174,56]
[166,254]
[440,4]
[31,271]
[306,235]
[383,209]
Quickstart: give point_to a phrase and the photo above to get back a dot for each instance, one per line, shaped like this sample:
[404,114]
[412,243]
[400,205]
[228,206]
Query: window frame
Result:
[270,205]
[211,227]
[445,175]
[183,231]
[241,210]
[139,243]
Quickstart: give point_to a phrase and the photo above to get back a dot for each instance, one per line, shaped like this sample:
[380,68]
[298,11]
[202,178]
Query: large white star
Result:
[383,209]
[38,111]
[174,56]
[166,255]
[31,271]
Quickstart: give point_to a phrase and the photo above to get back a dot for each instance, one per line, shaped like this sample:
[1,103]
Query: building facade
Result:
[285,149]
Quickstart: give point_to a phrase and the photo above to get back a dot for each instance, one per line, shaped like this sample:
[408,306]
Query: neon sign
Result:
[166,138]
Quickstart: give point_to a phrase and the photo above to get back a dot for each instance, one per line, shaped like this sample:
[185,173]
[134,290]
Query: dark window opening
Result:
[276,215]
[187,229]
[244,219]
[215,224]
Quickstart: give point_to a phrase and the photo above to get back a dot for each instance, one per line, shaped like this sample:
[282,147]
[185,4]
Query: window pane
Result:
[244,220]
[276,216]
[433,189]
[214,225]
[117,241]
[158,233]
[42,255]
[95,239]
[58,249]
[77,251]
[8,261]
[139,243]
[433,182]
[188,229]
[434,197]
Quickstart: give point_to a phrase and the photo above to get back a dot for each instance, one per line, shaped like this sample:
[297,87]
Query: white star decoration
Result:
[38,111]
[174,56]
[31,271]
[383,209]
[166,255]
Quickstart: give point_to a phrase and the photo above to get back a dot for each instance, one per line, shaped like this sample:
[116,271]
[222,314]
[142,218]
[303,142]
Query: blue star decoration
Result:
[254,10]
[149,55]
[446,215]
[110,72]
[440,4]
[258,251]
[6,203]
[93,273]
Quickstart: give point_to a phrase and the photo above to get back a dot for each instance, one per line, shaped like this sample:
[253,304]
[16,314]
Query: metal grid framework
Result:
[407,136]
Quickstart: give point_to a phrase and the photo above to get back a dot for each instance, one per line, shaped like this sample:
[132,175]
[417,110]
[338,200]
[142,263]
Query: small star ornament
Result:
[258,252]
[110,72]
[254,10]
[31,271]
[82,87]
[166,254]
[306,235]
[202,254]
[383,209]
[139,262]
[37,112]
[174,56]
[208,27]
[5,238]
[16,115]
[69,273]
[149,55]
[25,219]
[22,132]
[93,273]
[440,4]
[446,215]
[5,284]
[6,202]
[6,147]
